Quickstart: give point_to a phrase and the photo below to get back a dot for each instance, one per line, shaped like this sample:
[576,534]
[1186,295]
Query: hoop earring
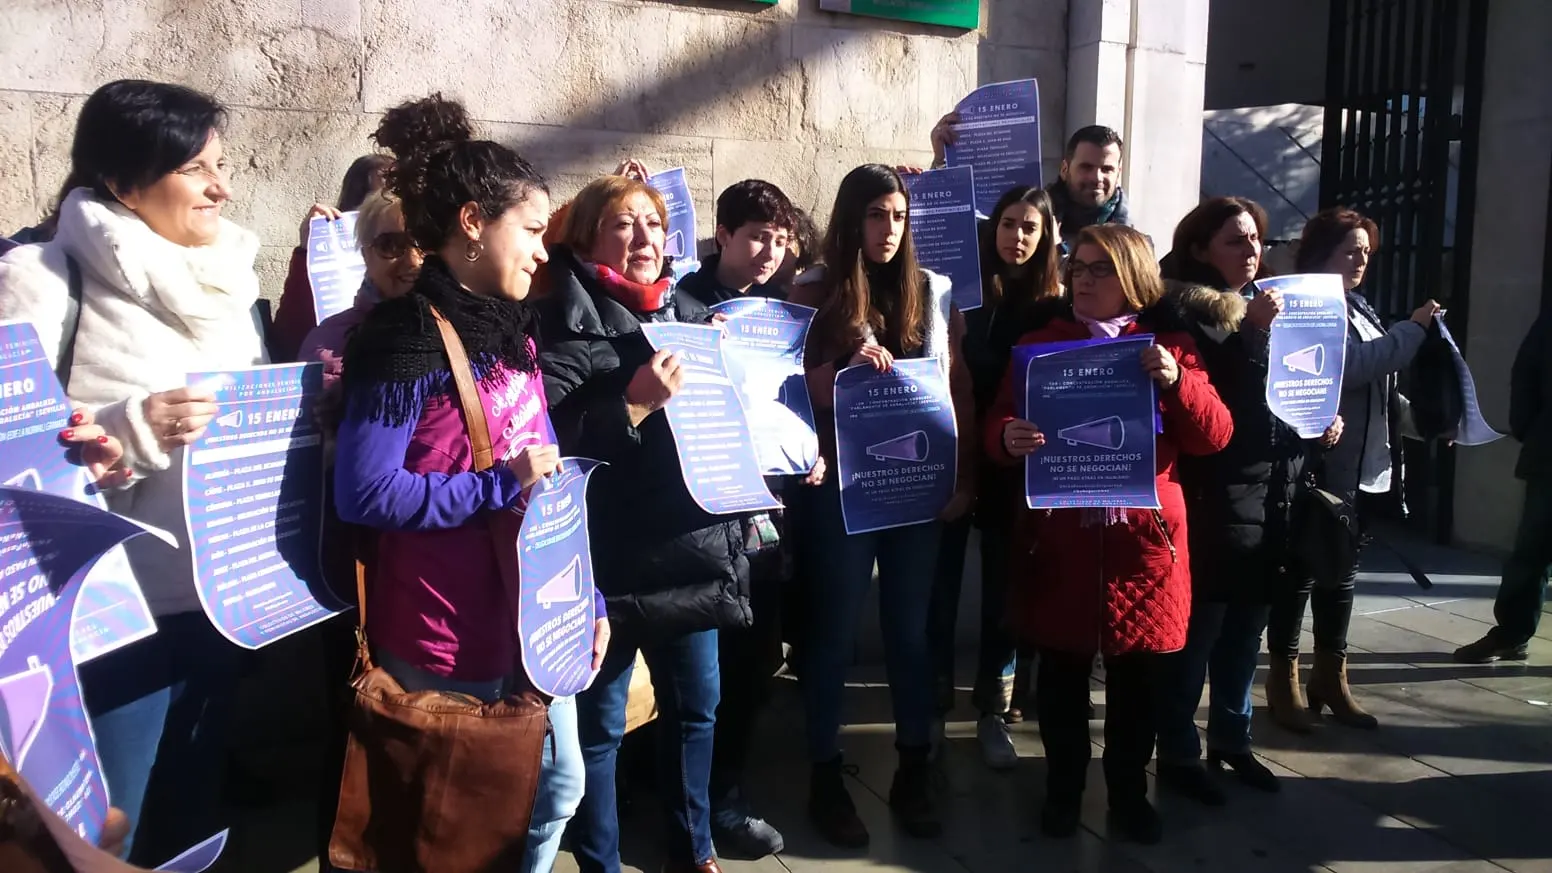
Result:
[473,250]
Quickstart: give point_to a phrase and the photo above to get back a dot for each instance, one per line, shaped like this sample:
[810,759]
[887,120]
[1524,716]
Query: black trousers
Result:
[1523,591]
[1062,708]
[747,661]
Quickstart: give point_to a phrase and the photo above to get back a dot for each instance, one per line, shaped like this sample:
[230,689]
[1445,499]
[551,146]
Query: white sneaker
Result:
[996,743]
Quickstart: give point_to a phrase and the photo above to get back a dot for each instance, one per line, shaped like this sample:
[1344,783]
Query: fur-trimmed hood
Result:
[1209,307]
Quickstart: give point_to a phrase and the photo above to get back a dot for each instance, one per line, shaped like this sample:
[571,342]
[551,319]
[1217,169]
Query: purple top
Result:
[437,598]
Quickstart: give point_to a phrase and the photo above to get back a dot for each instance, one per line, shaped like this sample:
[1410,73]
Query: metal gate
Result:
[1403,104]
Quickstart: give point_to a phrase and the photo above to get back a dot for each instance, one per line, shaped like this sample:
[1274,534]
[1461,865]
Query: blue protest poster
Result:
[711,431]
[897,444]
[1473,429]
[254,504]
[47,542]
[198,858]
[555,614]
[762,351]
[943,225]
[1096,407]
[1307,351]
[334,264]
[681,243]
[111,611]
[998,135]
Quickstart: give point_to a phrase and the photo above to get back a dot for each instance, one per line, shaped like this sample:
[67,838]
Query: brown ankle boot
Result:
[1328,688]
[1283,698]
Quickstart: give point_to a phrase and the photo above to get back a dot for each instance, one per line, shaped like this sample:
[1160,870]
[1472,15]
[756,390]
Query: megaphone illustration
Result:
[24,701]
[910,447]
[29,478]
[1310,359]
[1101,433]
[231,419]
[563,587]
[674,245]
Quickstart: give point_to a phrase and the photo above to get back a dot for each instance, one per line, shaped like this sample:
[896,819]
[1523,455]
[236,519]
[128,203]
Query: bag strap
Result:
[479,440]
[72,324]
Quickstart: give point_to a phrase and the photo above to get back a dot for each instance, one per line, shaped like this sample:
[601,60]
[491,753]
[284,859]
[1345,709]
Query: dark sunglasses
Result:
[392,245]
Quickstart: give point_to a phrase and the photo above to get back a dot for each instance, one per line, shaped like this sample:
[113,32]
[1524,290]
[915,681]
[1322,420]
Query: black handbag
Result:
[1327,537]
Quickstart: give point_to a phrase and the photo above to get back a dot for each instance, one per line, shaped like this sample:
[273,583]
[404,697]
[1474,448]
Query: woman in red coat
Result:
[1116,583]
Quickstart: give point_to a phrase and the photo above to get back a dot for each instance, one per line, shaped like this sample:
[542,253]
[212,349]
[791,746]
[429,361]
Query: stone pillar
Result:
[1508,251]
[1141,67]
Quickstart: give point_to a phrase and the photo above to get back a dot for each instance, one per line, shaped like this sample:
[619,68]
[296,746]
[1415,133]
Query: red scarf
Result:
[635,296]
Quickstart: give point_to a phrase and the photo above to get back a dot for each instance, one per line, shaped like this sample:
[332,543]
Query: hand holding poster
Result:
[998,134]
[555,611]
[944,230]
[681,244]
[762,351]
[1473,429]
[1096,407]
[1307,351]
[897,444]
[47,543]
[711,431]
[334,265]
[33,411]
[253,488]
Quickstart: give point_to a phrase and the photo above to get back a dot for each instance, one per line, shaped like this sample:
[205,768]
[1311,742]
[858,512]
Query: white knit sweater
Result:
[151,312]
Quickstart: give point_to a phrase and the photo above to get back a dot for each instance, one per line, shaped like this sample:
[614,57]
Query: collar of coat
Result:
[1208,307]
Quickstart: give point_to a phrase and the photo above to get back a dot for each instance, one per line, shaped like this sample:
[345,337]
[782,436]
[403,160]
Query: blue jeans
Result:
[1224,640]
[840,574]
[997,655]
[686,684]
[560,778]
[159,710]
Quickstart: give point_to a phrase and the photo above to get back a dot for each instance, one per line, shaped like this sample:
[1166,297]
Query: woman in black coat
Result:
[1239,501]
[671,573]
[1341,241]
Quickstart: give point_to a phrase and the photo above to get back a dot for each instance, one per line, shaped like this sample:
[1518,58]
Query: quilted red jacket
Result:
[1114,588]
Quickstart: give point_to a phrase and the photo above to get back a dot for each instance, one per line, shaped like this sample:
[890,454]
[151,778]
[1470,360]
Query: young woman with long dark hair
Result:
[875,305]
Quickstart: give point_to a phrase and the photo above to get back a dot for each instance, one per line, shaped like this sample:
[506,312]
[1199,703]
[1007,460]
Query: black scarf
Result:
[395,359]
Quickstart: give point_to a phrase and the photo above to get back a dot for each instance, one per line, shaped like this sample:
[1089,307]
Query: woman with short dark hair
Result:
[1341,241]
[167,287]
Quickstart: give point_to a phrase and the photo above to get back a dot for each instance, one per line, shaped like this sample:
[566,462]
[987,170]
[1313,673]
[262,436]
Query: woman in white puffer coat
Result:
[166,287]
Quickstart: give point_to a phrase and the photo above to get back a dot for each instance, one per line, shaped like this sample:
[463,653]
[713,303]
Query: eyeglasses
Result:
[220,173]
[392,245]
[1098,269]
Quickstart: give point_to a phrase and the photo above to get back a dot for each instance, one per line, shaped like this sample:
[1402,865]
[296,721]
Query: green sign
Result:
[950,13]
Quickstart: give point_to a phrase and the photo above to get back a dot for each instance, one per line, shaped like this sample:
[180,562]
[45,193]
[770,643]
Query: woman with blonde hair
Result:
[1111,582]
[672,574]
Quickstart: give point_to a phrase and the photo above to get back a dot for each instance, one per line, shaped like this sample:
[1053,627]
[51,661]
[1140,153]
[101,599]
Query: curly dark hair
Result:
[439,166]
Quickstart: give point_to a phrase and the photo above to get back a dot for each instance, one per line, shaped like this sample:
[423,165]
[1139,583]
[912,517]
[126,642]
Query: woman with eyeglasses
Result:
[1114,582]
[166,287]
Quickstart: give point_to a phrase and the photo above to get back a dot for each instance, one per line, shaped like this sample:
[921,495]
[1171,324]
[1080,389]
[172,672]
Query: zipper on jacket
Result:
[1158,519]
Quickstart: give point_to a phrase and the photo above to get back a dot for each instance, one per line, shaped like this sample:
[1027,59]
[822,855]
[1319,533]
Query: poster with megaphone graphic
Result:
[335,267]
[556,612]
[680,241]
[33,411]
[253,504]
[1096,407]
[47,544]
[897,444]
[1307,351]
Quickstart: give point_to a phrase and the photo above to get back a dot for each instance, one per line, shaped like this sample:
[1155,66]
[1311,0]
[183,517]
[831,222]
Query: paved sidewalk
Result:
[1458,779]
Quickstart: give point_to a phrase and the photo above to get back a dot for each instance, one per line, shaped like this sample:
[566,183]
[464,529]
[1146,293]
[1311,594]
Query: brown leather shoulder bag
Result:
[439,782]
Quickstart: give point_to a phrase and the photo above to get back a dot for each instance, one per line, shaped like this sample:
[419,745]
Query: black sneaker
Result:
[739,833]
[831,809]
[910,796]
[1138,821]
[1249,770]
[1059,819]
[1193,781]
[1489,649]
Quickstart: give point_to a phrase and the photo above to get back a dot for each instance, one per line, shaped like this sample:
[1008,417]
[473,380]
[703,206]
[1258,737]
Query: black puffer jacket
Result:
[1240,501]
[1530,402]
[665,566]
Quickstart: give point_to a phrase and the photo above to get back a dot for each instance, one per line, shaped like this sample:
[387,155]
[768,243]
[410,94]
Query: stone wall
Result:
[727,88]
